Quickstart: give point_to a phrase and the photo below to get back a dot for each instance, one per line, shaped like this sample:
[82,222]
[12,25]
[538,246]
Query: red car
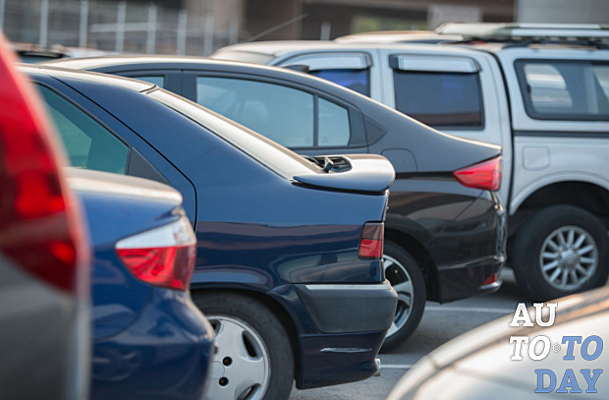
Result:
[44,274]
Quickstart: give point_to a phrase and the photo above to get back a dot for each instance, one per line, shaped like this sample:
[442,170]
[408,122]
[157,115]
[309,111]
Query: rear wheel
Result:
[560,251]
[405,275]
[254,360]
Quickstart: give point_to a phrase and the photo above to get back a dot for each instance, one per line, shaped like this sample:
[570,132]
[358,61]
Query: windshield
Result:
[274,156]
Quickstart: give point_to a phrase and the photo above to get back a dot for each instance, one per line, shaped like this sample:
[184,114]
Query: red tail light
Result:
[40,228]
[163,256]
[485,175]
[371,242]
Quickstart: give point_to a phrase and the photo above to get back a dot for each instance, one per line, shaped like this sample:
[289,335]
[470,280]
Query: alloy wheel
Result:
[240,370]
[397,274]
[569,258]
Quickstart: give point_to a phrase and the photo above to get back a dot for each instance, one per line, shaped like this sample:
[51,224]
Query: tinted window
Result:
[88,144]
[565,89]
[276,157]
[155,80]
[334,128]
[354,79]
[441,100]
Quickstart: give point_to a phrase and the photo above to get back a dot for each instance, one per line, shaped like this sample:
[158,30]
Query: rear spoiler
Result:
[354,172]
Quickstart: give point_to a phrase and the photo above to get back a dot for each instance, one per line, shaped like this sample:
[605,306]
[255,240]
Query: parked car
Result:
[44,283]
[149,339]
[478,365]
[540,91]
[288,268]
[427,224]
[32,53]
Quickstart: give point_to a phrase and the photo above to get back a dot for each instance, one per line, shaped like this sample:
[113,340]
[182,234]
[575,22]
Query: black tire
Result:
[530,239]
[266,324]
[418,299]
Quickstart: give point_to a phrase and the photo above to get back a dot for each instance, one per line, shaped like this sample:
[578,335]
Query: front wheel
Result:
[562,250]
[254,360]
[405,275]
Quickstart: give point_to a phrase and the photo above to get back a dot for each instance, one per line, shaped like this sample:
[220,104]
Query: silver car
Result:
[482,365]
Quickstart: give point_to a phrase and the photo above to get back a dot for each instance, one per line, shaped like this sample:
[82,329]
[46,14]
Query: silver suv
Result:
[540,91]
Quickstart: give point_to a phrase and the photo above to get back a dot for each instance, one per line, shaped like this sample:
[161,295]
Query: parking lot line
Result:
[396,366]
[471,309]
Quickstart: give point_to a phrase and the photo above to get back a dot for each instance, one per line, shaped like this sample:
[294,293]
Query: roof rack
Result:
[525,31]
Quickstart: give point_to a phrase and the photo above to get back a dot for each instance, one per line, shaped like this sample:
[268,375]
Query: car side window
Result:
[440,99]
[354,79]
[283,114]
[334,128]
[155,80]
[565,90]
[88,144]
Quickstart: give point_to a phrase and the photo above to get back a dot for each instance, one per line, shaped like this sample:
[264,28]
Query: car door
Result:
[294,116]
[352,69]
[94,139]
[456,92]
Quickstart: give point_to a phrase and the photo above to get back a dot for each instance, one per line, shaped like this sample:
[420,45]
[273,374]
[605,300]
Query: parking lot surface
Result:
[440,324]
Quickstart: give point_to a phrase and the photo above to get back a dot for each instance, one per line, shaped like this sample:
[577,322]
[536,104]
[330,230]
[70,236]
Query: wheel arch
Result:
[281,313]
[589,195]
[423,258]
[524,198]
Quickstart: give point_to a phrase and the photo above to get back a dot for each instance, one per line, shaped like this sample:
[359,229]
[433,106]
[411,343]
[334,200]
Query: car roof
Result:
[388,37]
[176,62]
[285,47]
[40,69]
[96,63]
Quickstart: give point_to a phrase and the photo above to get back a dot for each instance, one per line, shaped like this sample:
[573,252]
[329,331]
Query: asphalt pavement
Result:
[440,324]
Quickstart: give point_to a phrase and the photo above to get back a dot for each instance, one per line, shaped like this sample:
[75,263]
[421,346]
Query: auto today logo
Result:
[539,347]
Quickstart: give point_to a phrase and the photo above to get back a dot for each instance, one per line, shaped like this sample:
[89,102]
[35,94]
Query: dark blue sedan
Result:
[289,258]
[149,339]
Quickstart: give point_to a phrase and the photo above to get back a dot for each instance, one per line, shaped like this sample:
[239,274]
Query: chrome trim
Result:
[377,286]
[378,366]
[343,350]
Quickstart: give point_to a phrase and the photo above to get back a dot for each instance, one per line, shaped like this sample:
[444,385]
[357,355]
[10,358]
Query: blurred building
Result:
[198,27]
[563,11]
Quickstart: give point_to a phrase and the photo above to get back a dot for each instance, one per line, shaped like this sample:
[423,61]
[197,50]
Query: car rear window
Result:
[274,156]
[564,90]
[439,99]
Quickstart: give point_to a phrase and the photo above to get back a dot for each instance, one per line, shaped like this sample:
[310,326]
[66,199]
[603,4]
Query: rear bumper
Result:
[332,359]
[466,280]
[341,308]
[167,350]
[340,331]
[470,250]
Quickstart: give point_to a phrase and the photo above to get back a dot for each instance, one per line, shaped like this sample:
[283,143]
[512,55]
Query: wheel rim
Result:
[569,258]
[240,370]
[400,279]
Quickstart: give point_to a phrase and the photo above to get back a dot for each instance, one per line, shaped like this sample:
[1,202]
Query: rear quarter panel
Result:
[547,152]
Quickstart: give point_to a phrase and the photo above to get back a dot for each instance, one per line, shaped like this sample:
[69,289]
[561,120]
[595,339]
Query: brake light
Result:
[40,228]
[371,241]
[163,256]
[485,175]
